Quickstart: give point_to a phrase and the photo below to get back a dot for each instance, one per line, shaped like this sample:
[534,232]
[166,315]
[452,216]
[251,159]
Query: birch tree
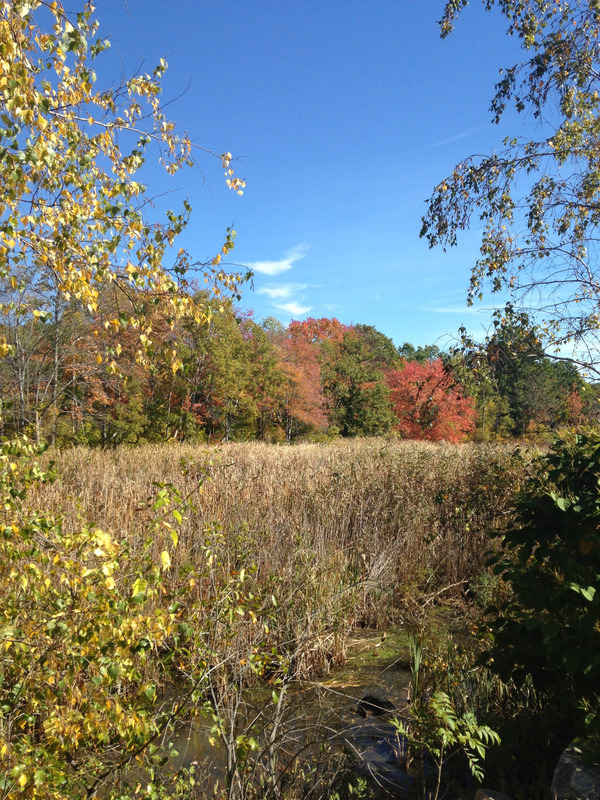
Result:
[537,199]
[73,208]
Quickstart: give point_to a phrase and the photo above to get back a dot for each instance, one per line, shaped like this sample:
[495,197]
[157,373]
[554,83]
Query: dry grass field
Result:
[157,584]
[353,533]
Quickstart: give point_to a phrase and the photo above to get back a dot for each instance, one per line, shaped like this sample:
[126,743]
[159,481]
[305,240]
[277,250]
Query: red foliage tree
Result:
[317,330]
[429,403]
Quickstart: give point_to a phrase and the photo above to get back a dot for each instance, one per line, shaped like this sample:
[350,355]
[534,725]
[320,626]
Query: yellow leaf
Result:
[23,780]
[166,559]
[105,540]
[99,359]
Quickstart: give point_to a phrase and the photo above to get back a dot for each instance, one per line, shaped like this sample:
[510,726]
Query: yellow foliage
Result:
[70,202]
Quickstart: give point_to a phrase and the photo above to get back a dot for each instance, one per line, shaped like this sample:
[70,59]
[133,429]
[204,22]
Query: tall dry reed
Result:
[374,524]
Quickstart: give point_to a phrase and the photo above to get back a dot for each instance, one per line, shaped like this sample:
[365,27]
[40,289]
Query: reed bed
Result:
[242,564]
[379,525]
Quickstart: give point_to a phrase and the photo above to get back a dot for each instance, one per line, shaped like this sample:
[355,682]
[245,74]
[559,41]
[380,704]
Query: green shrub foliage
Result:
[549,626]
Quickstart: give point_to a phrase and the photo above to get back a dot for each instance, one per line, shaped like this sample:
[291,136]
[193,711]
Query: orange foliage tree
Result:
[317,330]
[304,402]
[429,403]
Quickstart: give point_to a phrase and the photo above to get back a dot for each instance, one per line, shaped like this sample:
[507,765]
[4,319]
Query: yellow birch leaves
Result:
[71,209]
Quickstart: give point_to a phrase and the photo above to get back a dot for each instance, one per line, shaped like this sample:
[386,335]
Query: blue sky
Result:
[344,115]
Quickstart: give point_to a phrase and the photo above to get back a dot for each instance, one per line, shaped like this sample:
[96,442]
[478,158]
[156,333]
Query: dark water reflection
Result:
[318,731]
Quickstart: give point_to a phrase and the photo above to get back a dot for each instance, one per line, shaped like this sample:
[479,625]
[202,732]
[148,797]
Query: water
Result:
[318,729]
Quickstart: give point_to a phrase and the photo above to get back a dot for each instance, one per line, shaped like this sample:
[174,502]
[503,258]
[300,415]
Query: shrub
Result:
[548,627]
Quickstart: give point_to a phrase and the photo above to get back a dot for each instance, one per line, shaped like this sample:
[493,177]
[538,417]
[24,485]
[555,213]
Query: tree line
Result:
[75,376]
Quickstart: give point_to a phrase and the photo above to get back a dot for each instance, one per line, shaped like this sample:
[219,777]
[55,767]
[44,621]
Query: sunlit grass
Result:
[398,521]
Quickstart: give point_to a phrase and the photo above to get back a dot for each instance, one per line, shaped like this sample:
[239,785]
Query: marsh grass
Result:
[259,560]
[352,533]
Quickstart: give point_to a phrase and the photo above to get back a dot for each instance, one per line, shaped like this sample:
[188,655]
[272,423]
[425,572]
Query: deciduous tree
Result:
[317,330]
[72,208]
[355,383]
[529,391]
[428,402]
[304,402]
[538,199]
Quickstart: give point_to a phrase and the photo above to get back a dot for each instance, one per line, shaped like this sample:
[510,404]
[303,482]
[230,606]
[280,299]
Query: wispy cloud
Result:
[295,309]
[276,267]
[287,297]
[457,138]
[452,309]
[281,292]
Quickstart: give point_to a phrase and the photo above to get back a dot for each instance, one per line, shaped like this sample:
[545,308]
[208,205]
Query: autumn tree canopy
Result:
[429,403]
[73,216]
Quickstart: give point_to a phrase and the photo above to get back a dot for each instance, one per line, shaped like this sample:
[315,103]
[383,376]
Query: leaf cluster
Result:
[536,200]
[73,208]
[549,627]
[435,729]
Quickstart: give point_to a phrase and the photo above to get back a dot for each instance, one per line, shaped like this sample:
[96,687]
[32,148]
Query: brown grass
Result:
[376,524]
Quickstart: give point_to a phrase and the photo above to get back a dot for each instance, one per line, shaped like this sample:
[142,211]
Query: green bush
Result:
[548,626]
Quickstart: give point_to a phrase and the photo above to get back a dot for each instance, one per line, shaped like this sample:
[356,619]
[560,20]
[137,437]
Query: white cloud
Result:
[459,137]
[295,309]
[281,292]
[275,267]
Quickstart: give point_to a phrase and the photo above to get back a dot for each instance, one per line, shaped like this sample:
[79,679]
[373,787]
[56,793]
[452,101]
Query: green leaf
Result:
[150,693]
[139,588]
[589,592]
[39,776]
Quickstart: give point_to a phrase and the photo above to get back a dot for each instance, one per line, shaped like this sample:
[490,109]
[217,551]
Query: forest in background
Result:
[75,377]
